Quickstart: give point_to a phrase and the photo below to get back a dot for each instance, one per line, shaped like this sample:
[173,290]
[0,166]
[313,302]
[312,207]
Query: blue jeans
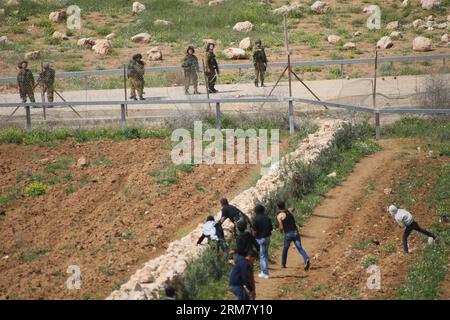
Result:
[288,238]
[240,293]
[264,254]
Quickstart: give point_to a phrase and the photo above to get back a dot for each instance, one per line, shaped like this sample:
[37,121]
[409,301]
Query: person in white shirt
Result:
[406,220]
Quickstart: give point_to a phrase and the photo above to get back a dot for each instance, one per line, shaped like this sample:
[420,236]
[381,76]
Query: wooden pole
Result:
[375,80]
[289,68]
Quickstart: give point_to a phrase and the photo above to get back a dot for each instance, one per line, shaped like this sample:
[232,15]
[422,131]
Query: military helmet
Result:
[190,48]
[210,44]
[137,56]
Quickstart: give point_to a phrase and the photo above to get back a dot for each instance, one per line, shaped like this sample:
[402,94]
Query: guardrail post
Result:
[291,117]
[342,71]
[218,116]
[123,119]
[377,126]
[28,118]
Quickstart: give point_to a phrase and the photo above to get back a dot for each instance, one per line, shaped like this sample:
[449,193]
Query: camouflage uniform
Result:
[47,78]
[25,81]
[136,70]
[212,71]
[260,63]
[190,66]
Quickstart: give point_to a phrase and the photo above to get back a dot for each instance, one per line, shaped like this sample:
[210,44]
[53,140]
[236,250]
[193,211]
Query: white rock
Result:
[442,25]
[430,18]
[110,36]
[333,174]
[392,25]
[82,162]
[245,26]
[33,55]
[418,23]
[444,38]
[405,3]
[102,46]
[349,45]
[154,54]
[319,7]
[287,8]
[4,40]
[137,295]
[357,34]
[215,2]
[59,36]
[385,43]
[396,34]
[333,39]
[430,4]
[421,44]
[141,38]
[86,42]
[138,7]
[58,16]
[235,53]
[245,44]
[387,191]
[162,23]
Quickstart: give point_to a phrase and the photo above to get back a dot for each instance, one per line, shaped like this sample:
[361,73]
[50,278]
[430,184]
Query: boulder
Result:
[4,41]
[421,44]
[287,8]
[357,34]
[430,18]
[110,36]
[334,39]
[60,36]
[445,38]
[319,7]
[396,34]
[58,16]
[235,53]
[405,3]
[86,42]
[164,23]
[102,46]
[137,7]
[82,162]
[349,45]
[418,23]
[430,4]
[215,2]
[245,26]
[392,25]
[141,38]
[246,44]
[154,54]
[33,55]
[385,43]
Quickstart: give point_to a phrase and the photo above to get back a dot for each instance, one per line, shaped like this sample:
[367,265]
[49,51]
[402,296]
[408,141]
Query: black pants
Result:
[414,226]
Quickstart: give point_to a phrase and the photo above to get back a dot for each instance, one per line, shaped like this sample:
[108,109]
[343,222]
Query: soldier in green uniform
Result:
[260,63]
[25,81]
[190,66]
[47,79]
[136,70]
[212,68]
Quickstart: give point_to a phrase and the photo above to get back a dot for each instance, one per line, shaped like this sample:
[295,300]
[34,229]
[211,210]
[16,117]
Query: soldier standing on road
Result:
[190,66]
[212,68]
[260,63]
[47,78]
[25,81]
[136,71]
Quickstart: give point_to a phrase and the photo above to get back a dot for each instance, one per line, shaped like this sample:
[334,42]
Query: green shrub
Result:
[35,189]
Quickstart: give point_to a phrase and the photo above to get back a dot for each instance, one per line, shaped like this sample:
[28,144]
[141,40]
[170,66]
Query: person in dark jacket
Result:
[287,225]
[262,229]
[240,282]
[246,246]
[232,213]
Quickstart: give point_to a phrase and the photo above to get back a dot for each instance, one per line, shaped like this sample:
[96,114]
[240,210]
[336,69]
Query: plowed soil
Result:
[340,234]
[108,217]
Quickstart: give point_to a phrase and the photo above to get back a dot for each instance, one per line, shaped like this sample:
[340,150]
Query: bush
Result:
[436,92]
[35,189]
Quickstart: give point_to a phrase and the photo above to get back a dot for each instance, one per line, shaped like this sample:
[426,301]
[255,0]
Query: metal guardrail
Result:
[218,102]
[81,74]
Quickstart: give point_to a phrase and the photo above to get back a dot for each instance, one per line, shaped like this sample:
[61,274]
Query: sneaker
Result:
[196,92]
[307,265]
[141,98]
[283,266]
[133,98]
[265,276]
[261,275]
[256,84]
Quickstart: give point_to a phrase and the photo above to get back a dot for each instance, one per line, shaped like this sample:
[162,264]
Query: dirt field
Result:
[339,234]
[108,217]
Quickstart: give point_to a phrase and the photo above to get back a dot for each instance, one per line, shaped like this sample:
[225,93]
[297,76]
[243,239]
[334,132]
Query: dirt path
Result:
[338,235]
